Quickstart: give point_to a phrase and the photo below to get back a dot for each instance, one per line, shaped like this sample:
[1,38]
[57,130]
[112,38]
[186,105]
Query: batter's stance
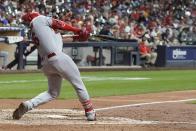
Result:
[56,64]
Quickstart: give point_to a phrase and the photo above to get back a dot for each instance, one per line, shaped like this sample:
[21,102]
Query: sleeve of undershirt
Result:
[58,24]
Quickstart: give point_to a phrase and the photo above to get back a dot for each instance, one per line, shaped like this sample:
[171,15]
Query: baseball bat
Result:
[104,37]
[111,38]
[100,36]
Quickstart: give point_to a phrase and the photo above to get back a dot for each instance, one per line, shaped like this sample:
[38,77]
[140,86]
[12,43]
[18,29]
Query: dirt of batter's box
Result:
[176,116]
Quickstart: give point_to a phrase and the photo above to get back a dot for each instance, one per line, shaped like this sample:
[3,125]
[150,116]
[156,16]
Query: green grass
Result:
[161,81]
[191,102]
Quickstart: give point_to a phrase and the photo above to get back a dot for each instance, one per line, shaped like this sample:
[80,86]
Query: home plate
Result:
[56,116]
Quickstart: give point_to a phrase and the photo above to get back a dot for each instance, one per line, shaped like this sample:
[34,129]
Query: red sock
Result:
[88,106]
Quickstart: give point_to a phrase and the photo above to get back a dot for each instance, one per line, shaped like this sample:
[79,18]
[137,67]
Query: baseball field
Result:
[124,100]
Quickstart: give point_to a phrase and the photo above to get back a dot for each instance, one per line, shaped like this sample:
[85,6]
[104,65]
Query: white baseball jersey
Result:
[55,66]
[44,36]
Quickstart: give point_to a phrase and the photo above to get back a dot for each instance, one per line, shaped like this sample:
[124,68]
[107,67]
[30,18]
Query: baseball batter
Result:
[56,64]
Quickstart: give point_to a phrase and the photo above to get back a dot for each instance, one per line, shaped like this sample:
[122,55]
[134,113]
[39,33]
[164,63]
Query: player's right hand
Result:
[83,35]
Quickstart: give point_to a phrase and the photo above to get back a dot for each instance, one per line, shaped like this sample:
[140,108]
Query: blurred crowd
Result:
[161,22]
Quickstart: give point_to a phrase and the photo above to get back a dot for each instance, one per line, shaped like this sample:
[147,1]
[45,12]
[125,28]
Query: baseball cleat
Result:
[91,115]
[20,111]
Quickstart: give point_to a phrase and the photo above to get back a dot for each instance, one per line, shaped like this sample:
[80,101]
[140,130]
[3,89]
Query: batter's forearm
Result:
[58,24]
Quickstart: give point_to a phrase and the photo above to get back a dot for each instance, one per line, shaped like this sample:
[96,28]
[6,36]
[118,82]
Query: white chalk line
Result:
[93,78]
[85,78]
[143,104]
[21,81]
[69,117]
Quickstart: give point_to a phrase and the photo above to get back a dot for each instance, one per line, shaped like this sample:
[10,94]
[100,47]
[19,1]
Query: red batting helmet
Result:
[28,17]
